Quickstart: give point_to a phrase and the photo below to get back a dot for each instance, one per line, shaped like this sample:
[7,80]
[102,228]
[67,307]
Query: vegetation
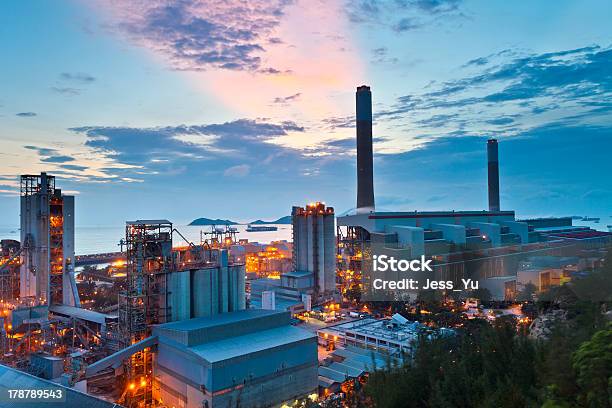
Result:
[496,365]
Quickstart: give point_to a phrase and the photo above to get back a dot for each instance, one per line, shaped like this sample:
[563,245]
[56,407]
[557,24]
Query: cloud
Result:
[66,90]
[530,172]
[240,170]
[597,194]
[501,121]
[198,35]
[380,56]
[406,24]
[177,149]
[43,151]
[435,6]
[78,77]
[394,201]
[400,15]
[74,167]
[380,52]
[436,198]
[26,114]
[345,122]
[287,99]
[509,94]
[57,159]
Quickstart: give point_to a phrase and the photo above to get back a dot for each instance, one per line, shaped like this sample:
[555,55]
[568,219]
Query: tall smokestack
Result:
[493,161]
[365,178]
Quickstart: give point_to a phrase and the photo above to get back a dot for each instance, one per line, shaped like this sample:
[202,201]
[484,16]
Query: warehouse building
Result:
[248,358]
[61,396]
[393,336]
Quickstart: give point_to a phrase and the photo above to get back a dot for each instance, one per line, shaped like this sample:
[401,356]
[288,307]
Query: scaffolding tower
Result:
[352,246]
[56,249]
[35,193]
[148,247]
[220,237]
[10,252]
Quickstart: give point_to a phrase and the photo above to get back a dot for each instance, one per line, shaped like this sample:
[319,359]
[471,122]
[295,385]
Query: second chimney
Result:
[493,165]
[365,165]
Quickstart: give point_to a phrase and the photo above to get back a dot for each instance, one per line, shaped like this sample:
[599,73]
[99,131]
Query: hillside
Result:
[208,221]
[282,220]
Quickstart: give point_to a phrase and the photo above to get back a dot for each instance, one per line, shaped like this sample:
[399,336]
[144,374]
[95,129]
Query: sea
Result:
[99,239]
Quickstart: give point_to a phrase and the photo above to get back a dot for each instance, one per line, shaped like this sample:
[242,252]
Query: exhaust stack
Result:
[365,165]
[493,164]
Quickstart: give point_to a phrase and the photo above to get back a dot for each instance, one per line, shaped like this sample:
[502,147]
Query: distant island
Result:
[209,221]
[281,220]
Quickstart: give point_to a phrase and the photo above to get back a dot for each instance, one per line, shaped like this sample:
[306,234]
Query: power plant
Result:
[365,157]
[47,237]
[314,244]
[484,245]
[493,174]
[187,326]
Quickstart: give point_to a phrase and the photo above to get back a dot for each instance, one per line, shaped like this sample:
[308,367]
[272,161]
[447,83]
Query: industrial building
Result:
[251,358]
[47,333]
[314,244]
[70,397]
[166,284]
[247,358]
[288,291]
[10,262]
[47,238]
[183,336]
[265,260]
[40,314]
[313,273]
[350,364]
[484,245]
[394,336]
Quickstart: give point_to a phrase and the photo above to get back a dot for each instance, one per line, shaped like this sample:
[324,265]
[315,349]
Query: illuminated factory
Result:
[486,245]
[47,237]
[180,315]
[312,279]
[182,333]
[314,244]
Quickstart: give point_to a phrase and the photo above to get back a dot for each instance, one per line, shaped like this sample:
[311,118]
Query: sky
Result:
[241,109]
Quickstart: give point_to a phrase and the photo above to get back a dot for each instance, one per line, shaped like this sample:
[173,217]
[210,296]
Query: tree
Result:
[593,365]
[526,295]
[483,294]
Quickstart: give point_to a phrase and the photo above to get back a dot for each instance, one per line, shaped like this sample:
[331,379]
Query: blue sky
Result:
[153,109]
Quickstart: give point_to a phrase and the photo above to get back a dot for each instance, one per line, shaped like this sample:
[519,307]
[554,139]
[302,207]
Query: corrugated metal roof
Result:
[202,330]
[333,375]
[251,343]
[362,358]
[79,313]
[346,369]
[325,382]
[19,380]
[217,320]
